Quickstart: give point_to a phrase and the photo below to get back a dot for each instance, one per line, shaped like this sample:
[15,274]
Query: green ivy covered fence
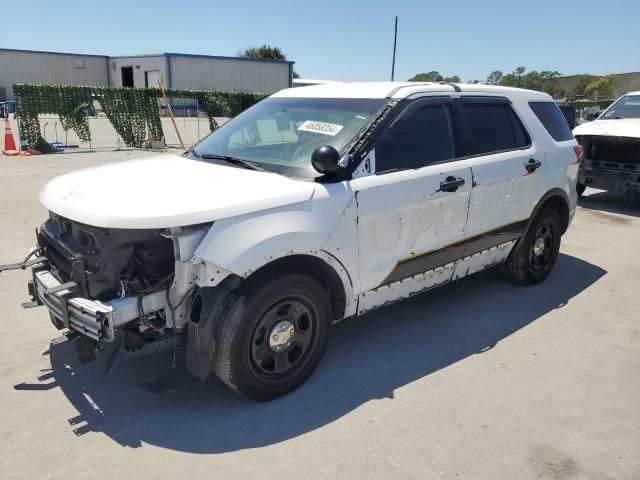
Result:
[133,112]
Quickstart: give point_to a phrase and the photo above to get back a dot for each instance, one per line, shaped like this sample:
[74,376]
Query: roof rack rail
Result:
[455,87]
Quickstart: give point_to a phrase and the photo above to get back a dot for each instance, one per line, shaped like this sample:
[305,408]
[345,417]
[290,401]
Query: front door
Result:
[412,212]
[152,78]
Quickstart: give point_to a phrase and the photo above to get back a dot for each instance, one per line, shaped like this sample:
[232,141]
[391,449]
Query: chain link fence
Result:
[191,122]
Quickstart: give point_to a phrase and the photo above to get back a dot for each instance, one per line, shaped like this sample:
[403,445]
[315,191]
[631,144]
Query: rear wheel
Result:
[535,255]
[272,336]
[580,188]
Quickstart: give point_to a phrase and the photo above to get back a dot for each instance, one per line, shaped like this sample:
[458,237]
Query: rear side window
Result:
[552,119]
[494,128]
[419,138]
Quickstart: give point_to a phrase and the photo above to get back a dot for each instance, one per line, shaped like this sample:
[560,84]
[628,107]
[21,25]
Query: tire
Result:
[580,188]
[536,253]
[272,336]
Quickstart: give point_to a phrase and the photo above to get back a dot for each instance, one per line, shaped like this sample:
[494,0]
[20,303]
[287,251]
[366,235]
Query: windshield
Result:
[280,134]
[625,107]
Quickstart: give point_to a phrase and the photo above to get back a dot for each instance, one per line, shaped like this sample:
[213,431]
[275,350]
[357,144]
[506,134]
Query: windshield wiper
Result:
[229,159]
[193,152]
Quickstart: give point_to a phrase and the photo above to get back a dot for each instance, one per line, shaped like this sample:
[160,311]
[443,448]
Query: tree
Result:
[454,79]
[509,80]
[531,80]
[432,76]
[544,81]
[518,73]
[549,83]
[267,52]
[515,78]
[494,78]
[580,83]
[602,87]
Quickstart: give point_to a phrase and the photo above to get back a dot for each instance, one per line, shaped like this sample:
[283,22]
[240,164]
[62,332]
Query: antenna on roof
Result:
[395,41]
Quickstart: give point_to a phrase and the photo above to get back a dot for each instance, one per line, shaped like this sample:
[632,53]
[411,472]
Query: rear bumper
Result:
[95,319]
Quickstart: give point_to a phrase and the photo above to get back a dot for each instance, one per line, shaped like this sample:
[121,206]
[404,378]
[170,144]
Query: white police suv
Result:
[316,204]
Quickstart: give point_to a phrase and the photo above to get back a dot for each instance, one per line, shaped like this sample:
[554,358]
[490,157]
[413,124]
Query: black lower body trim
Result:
[408,267]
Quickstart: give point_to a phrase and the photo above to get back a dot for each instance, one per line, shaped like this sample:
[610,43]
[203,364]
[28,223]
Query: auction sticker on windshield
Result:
[320,127]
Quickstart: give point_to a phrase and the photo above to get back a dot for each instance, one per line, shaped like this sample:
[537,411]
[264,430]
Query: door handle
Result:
[532,165]
[451,184]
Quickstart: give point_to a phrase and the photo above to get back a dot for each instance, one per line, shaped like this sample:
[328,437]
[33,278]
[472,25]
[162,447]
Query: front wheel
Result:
[272,336]
[536,253]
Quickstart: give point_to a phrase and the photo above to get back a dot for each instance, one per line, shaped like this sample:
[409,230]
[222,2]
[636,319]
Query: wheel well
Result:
[559,205]
[314,267]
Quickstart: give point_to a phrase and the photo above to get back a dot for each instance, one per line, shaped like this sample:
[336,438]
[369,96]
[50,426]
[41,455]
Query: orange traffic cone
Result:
[9,143]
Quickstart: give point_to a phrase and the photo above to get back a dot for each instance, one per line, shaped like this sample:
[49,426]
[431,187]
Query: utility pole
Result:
[395,41]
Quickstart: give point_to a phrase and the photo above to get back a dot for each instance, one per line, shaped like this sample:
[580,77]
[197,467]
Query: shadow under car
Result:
[145,400]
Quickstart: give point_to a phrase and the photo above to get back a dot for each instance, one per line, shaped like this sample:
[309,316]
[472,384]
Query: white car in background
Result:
[317,204]
[612,148]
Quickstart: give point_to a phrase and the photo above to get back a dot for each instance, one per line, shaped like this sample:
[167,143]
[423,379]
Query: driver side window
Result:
[419,137]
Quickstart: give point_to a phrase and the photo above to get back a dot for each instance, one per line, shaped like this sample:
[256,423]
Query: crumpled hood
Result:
[167,191]
[622,127]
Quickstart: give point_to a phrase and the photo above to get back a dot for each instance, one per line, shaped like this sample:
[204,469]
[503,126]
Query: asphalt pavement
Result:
[481,379]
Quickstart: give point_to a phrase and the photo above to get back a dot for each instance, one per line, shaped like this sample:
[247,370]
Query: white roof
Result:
[398,90]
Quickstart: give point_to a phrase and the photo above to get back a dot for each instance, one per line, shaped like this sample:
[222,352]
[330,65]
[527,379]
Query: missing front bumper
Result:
[95,319]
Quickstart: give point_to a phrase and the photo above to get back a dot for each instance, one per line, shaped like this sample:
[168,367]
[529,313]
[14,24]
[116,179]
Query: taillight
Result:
[579,149]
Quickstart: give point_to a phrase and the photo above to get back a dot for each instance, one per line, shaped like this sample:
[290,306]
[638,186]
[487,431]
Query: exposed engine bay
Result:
[611,162]
[106,263]
[107,283]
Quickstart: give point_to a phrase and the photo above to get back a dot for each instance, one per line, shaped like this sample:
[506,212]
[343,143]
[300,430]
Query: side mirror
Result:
[325,159]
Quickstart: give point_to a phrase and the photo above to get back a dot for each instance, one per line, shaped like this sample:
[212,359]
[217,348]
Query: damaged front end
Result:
[611,163]
[107,283]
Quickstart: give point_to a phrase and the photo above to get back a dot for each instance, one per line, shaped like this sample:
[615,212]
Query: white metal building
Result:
[50,68]
[198,72]
[201,72]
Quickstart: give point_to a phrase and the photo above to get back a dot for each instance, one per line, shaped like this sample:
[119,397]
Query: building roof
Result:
[46,52]
[247,59]
[398,90]
[165,54]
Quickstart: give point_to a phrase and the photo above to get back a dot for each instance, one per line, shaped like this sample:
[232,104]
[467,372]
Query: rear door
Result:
[507,178]
[412,212]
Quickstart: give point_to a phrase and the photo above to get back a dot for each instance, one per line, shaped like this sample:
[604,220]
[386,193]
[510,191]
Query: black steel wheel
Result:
[533,258]
[272,335]
[284,337]
[542,244]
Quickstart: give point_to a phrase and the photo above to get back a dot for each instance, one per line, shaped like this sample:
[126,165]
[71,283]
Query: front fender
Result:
[245,243]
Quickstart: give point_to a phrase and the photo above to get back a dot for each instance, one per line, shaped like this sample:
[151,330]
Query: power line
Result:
[395,41]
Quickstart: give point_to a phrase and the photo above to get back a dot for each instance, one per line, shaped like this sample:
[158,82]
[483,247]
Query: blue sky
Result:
[347,40]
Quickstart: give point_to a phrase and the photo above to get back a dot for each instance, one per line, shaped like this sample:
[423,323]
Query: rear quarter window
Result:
[552,119]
